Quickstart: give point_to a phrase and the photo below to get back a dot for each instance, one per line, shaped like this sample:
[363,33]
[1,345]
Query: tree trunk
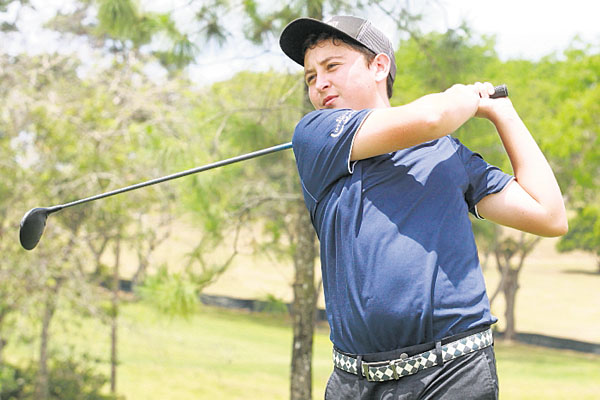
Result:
[42,386]
[511,285]
[114,317]
[41,389]
[140,272]
[2,344]
[303,307]
[305,291]
[504,251]
[2,341]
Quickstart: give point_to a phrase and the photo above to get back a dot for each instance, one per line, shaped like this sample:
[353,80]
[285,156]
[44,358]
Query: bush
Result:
[170,293]
[273,305]
[12,382]
[68,380]
[72,380]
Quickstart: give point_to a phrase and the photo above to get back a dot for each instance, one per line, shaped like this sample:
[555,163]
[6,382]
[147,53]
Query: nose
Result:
[322,82]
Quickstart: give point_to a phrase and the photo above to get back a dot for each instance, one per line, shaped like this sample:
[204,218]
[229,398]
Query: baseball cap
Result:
[355,29]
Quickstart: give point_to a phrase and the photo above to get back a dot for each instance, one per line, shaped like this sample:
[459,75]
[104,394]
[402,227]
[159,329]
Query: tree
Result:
[42,277]
[12,269]
[584,233]
[507,249]
[271,193]
[577,145]
[66,136]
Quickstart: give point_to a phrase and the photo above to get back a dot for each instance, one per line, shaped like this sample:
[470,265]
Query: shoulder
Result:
[455,143]
[465,154]
[328,122]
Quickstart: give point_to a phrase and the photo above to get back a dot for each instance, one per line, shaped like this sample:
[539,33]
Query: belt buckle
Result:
[392,365]
[394,370]
[365,371]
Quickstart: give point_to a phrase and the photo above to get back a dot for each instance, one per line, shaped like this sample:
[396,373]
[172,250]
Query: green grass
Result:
[236,355]
[528,372]
[216,354]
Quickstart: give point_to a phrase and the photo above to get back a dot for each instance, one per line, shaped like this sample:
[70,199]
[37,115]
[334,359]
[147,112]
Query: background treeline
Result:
[68,131]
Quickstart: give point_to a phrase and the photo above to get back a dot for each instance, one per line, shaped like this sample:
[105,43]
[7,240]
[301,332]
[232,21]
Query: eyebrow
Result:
[323,61]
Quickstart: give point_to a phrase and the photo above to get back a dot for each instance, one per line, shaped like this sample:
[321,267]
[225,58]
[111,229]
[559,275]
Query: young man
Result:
[389,193]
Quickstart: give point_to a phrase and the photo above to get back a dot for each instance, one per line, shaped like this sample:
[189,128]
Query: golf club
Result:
[34,221]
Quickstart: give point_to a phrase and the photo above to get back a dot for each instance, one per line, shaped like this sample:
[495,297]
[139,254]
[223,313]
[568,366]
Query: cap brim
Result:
[296,32]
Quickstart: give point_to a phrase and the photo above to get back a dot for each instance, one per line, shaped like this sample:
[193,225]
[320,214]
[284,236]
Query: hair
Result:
[315,38]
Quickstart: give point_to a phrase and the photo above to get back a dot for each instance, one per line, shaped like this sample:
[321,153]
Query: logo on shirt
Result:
[340,123]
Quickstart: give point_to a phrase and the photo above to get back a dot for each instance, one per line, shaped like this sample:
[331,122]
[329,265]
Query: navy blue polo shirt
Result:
[398,256]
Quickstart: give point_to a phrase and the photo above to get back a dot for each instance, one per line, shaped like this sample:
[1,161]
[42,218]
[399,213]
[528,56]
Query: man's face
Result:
[337,76]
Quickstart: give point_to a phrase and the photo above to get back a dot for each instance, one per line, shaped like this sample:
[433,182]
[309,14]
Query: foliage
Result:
[67,131]
[64,136]
[435,61]
[577,140]
[230,198]
[171,293]
[69,379]
[123,26]
[274,305]
[12,382]
[584,233]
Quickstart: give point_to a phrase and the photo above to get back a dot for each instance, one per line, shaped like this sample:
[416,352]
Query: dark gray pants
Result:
[472,376]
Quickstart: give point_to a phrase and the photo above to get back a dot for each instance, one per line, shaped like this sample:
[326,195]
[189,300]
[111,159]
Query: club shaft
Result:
[151,182]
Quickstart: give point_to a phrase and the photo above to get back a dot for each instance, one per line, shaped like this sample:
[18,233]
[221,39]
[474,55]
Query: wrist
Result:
[498,111]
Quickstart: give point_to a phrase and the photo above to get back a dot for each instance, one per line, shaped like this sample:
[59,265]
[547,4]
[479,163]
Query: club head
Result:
[32,227]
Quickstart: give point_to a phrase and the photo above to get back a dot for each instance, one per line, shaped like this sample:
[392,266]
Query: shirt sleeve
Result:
[322,145]
[483,178]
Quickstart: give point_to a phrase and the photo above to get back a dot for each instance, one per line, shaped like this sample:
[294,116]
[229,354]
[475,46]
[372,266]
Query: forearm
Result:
[446,111]
[531,169]
[427,118]
[529,164]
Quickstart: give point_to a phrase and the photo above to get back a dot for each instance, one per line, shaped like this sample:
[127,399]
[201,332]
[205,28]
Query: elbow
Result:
[433,123]
[558,227]
[562,228]
[561,222]
[556,221]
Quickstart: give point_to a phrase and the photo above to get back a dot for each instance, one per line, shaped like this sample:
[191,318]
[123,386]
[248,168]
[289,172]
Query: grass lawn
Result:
[528,372]
[220,354]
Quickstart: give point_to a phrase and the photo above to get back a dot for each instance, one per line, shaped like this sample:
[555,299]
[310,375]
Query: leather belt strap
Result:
[381,371]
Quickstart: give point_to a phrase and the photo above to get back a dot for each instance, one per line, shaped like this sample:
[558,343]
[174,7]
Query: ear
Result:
[382,65]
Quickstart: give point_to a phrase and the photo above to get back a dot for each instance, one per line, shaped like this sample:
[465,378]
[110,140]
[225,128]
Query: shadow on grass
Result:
[554,342]
[581,272]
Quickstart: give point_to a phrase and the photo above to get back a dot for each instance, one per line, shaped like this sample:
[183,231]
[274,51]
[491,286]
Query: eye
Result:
[331,66]
[310,78]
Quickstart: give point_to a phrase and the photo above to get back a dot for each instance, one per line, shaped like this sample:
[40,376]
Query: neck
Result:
[381,101]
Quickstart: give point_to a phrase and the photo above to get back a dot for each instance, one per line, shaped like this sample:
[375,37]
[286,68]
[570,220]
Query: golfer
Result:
[389,192]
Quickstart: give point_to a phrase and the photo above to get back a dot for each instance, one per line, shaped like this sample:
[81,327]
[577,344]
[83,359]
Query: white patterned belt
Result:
[380,371]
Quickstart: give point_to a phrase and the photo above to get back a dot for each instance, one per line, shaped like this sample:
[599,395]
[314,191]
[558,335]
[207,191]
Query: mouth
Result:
[328,101]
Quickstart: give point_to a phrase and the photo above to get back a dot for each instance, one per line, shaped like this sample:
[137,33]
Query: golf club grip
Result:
[500,91]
